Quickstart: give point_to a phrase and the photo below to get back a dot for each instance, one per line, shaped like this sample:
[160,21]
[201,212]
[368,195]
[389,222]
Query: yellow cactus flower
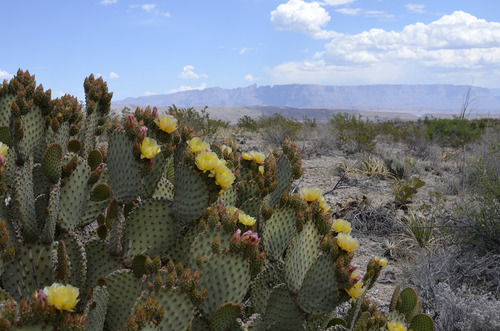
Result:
[258,157]
[323,205]
[357,290]
[396,326]
[261,170]
[227,148]
[246,156]
[311,194]
[167,123]
[3,149]
[232,210]
[206,161]
[62,297]
[219,167]
[246,219]
[197,145]
[224,179]
[341,226]
[381,261]
[149,148]
[346,242]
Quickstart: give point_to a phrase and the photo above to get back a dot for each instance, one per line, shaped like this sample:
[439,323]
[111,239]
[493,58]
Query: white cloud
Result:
[107,2]
[337,2]
[151,9]
[183,88]
[250,78]
[349,11]
[188,73]
[113,75]
[453,48]
[148,93]
[5,75]
[378,14]
[415,8]
[308,18]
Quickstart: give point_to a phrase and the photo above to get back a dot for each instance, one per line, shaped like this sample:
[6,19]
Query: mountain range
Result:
[413,99]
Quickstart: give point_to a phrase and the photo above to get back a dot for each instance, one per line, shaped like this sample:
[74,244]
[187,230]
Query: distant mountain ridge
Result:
[409,98]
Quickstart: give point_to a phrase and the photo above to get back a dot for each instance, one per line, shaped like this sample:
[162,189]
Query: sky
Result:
[156,47]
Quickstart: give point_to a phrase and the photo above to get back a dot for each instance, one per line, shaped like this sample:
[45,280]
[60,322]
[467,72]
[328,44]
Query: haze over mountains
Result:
[413,99]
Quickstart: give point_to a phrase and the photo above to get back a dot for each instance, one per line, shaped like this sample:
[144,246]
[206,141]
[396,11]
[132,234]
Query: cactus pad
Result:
[278,230]
[282,313]
[266,280]
[408,298]
[96,309]
[320,291]
[422,322]
[225,316]
[123,171]
[227,278]
[124,288]
[284,178]
[150,228]
[191,196]
[300,256]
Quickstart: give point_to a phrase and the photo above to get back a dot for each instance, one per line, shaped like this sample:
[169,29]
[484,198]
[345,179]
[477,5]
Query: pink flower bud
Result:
[131,121]
[142,133]
[2,159]
[155,112]
[236,238]
[208,150]
[254,239]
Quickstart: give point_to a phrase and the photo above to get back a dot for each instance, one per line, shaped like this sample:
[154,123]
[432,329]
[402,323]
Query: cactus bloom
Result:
[254,156]
[225,179]
[167,123]
[246,219]
[311,194]
[346,242]
[206,161]
[231,210]
[357,290]
[227,148]
[341,226]
[197,145]
[381,261]
[396,326]
[149,148]
[62,297]
[3,150]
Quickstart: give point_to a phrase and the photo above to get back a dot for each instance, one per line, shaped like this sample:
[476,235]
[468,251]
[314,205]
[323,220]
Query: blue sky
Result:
[156,47]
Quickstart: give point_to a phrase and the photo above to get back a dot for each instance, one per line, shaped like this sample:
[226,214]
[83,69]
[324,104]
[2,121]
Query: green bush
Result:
[248,123]
[353,134]
[454,132]
[275,129]
[200,121]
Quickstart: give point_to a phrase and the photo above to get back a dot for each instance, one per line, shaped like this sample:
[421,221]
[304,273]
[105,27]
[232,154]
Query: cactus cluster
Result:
[156,229]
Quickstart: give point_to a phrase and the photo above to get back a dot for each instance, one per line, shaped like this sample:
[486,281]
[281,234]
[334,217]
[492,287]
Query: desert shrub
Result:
[454,132]
[374,166]
[248,123]
[200,120]
[275,129]
[404,190]
[353,134]
[373,220]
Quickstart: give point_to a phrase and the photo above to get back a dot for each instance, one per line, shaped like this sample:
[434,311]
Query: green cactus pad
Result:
[52,211]
[5,105]
[150,228]
[277,232]
[31,270]
[138,265]
[227,278]
[191,196]
[228,197]
[164,189]
[202,244]
[320,291]
[284,178]
[301,254]
[94,159]
[178,309]
[5,135]
[150,182]
[282,313]
[89,140]
[251,207]
[51,162]
[74,196]
[248,191]
[96,309]
[99,262]
[123,170]
[74,146]
[24,202]
[266,280]
[408,298]
[169,170]
[179,252]
[100,192]
[124,288]
[422,322]
[76,254]
[225,316]
[33,134]
[394,298]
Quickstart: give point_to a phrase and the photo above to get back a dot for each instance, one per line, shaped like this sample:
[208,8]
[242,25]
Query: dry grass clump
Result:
[368,219]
